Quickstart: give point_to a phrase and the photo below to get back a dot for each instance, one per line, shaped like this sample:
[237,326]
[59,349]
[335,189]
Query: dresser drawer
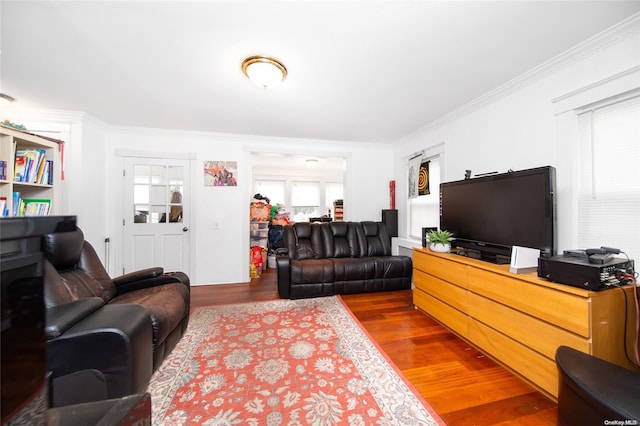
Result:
[445,269]
[538,335]
[565,310]
[446,292]
[531,365]
[445,314]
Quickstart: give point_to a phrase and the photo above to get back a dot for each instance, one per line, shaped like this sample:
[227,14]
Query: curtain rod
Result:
[416,155]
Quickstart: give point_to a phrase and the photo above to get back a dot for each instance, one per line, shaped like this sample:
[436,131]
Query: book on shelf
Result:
[47,176]
[3,170]
[31,207]
[3,207]
[30,165]
[35,207]
[19,168]
[16,202]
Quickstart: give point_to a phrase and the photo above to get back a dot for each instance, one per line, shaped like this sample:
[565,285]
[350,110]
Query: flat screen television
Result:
[489,215]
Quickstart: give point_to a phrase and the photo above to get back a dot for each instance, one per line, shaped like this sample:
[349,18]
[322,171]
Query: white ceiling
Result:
[371,71]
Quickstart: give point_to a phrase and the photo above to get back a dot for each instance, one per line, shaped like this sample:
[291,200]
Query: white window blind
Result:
[609,197]
[305,200]
[274,189]
[424,211]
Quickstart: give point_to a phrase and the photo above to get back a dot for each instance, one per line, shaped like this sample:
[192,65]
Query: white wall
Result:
[222,255]
[516,126]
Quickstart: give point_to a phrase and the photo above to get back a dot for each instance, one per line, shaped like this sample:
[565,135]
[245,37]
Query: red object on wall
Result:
[392,194]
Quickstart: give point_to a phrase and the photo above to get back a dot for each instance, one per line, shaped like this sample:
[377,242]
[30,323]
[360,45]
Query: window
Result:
[274,189]
[157,193]
[609,196]
[305,200]
[424,211]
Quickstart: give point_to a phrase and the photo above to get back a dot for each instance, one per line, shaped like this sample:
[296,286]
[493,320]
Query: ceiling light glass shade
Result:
[264,72]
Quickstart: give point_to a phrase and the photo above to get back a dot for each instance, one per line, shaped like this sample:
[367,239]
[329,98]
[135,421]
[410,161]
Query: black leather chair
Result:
[105,337]
[595,392]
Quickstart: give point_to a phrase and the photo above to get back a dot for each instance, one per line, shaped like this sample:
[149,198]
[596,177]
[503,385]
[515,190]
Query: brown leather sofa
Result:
[323,259]
[105,336]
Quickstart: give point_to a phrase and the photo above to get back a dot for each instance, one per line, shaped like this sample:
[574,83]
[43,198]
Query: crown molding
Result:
[621,31]
[54,116]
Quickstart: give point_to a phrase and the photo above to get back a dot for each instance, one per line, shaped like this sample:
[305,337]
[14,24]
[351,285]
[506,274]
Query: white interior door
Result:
[156,214]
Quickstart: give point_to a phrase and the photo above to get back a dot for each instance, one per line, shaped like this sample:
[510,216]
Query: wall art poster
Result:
[423,179]
[220,173]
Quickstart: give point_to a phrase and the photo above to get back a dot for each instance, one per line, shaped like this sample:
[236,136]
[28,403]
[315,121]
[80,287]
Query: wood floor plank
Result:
[461,384]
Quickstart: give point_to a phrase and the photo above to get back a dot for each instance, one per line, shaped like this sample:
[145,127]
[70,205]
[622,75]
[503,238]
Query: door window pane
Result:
[157,193]
[159,175]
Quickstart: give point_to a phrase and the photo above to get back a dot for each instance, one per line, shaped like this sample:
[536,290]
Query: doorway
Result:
[306,185]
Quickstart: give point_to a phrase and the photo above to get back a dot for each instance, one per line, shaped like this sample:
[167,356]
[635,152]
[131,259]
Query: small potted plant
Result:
[440,241]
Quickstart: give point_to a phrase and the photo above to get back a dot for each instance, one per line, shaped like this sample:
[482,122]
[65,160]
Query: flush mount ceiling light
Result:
[311,162]
[5,99]
[264,72]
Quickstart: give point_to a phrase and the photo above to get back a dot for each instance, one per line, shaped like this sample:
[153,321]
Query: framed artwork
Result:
[423,179]
[220,173]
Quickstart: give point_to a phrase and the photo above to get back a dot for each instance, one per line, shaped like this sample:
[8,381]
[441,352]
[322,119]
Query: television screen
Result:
[491,214]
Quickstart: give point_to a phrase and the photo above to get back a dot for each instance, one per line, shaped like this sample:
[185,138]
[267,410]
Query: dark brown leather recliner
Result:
[105,336]
[323,259]
[595,392]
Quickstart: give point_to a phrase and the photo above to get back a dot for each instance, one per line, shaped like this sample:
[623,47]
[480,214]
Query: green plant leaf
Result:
[442,237]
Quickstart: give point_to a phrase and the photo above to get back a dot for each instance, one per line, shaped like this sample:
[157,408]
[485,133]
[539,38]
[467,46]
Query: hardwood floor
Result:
[463,386]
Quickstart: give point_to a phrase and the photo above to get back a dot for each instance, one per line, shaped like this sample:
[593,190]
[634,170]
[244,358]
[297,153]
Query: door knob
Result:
[185,229]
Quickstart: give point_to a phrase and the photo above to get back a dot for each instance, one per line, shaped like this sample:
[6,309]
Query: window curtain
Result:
[414,176]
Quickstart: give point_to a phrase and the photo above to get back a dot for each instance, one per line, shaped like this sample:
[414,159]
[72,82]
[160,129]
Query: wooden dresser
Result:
[519,319]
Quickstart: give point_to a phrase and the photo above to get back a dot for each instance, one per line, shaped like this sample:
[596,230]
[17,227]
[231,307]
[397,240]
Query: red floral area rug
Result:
[282,362]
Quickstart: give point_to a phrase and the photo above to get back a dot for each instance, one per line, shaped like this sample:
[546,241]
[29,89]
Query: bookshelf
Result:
[338,212]
[29,167]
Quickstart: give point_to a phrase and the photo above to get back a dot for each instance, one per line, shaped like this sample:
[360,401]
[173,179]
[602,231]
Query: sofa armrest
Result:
[166,278]
[61,318]
[282,251]
[138,275]
[283,267]
[115,340]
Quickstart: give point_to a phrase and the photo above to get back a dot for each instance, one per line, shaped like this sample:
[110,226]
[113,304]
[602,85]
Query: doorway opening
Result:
[307,187]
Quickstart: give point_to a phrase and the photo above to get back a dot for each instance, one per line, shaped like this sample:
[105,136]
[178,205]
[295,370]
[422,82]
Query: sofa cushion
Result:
[312,271]
[339,240]
[394,266]
[71,285]
[166,310]
[63,249]
[373,239]
[356,268]
[303,241]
